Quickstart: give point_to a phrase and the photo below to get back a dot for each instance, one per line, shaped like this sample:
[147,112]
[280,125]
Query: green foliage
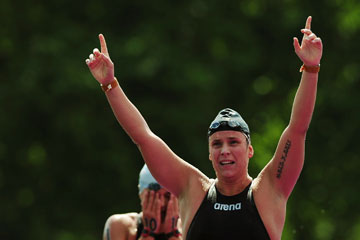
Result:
[65,163]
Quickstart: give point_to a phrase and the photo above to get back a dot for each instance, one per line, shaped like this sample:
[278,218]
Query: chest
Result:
[221,217]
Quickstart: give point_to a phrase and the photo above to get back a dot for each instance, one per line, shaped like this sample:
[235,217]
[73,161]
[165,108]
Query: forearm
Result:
[304,102]
[310,53]
[127,115]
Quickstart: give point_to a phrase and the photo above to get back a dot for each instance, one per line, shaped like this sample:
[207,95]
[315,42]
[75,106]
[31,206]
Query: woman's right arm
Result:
[170,171]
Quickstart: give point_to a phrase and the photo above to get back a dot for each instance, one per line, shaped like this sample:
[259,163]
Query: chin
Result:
[225,174]
[228,173]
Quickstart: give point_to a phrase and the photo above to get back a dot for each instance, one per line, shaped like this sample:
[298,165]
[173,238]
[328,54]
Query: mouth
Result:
[226,162]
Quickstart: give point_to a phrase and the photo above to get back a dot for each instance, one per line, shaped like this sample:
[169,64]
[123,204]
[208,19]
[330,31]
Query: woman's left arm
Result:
[286,165]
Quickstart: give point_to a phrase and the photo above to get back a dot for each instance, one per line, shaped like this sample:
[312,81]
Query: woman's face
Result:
[229,153]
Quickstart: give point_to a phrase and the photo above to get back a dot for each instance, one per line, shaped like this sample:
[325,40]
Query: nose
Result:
[225,150]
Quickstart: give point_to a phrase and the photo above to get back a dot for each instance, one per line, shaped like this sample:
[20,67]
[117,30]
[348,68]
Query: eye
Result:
[216,144]
[234,142]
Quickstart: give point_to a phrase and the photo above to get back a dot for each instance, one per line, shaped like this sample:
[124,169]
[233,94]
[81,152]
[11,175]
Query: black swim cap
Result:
[228,119]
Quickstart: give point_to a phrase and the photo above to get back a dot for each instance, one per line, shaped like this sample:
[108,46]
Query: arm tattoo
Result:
[283,158]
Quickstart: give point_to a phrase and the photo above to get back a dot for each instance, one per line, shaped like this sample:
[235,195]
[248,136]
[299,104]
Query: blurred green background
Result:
[65,163]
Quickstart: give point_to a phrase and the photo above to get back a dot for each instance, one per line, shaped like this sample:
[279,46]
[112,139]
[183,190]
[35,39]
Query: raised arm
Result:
[286,165]
[169,170]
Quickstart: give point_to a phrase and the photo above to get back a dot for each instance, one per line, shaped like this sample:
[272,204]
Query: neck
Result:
[230,188]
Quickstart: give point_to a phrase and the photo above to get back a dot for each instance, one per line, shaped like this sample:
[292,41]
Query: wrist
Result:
[174,234]
[110,85]
[147,234]
[310,68]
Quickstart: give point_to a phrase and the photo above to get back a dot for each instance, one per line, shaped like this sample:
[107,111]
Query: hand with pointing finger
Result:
[310,50]
[100,64]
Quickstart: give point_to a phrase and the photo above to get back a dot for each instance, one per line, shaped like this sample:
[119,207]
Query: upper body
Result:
[271,188]
[158,220]
[227,217]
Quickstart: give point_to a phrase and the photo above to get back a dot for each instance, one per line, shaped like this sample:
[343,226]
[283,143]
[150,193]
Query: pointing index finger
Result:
[103,45]
[308,23]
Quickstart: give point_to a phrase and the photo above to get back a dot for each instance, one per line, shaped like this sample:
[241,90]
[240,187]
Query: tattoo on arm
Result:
[283,158]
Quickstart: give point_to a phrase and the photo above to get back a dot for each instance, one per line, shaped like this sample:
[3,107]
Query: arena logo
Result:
[227,207]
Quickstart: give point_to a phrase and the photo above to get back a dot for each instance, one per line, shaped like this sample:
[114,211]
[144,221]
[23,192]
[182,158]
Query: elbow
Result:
[299,131]
[300,123]
[142,137]
[299,128]
[113,226]
[302,130]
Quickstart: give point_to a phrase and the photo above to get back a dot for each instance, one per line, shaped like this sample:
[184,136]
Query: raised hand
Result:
[100,64]
[310,51]
[151,208]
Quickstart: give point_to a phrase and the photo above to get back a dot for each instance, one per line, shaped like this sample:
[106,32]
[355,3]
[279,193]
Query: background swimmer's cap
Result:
[146,180]
[228,119]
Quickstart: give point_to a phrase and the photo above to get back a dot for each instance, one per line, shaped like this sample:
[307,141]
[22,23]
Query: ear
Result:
[251,151]
[210,158]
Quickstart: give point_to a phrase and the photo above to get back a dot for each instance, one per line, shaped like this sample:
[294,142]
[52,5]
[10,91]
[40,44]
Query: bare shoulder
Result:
[198,185]
[126,219]
[270,204]
[121,226]
[191,199]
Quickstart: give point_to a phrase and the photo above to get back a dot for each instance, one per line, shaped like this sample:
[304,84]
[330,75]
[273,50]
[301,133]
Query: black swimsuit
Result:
[227,217]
